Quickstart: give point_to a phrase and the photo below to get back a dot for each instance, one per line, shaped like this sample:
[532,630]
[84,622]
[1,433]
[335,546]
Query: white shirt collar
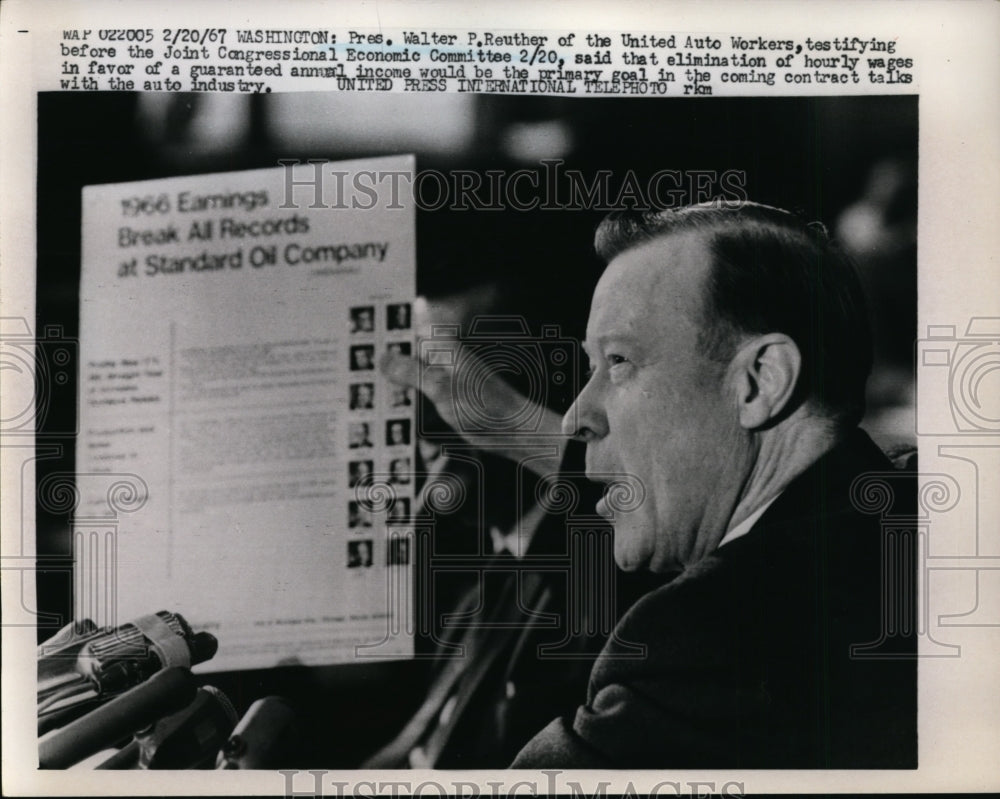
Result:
[747,524]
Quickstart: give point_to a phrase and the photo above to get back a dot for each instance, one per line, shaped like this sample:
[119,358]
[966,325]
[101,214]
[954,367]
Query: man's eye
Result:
[610,360]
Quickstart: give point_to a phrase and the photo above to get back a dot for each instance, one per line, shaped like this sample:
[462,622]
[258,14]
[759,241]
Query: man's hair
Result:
[771,272]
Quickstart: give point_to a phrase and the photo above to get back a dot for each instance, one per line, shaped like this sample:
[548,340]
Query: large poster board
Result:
[230,330]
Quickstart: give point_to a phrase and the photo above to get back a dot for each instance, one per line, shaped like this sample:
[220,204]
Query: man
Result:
[358,472]
[358,515]
[399,471]
[360,435]
[363,319]
[398,316]
[362,396]
[397,433]
[362,357]
[359,554]
[729,351]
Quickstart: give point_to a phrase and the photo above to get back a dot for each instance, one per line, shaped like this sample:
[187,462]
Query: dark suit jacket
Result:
[530,630]
[749,661]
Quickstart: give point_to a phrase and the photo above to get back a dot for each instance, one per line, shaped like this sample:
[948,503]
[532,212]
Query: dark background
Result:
[848,162]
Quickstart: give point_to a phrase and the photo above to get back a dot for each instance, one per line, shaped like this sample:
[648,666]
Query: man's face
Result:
[658,410]
[359,434]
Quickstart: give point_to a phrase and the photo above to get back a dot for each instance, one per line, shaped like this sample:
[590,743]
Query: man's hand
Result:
[482,408]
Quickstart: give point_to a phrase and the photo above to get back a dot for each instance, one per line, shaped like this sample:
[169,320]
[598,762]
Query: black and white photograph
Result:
[360,435]
[399,471]
[362,357]
[744,303]
[682,470]
[358,515]
[359,554]
[357,472]
[363,319]
[398,316]
[397,432]
[362,396]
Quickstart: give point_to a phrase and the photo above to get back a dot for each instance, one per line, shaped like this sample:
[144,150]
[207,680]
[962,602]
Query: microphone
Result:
[190,738]
[141,647]
[84,666]
[163,693]
[264,738]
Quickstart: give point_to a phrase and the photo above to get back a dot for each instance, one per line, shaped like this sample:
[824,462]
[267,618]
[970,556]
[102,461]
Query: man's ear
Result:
[766,371]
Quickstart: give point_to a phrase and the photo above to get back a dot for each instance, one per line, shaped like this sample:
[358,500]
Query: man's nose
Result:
[585,420]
